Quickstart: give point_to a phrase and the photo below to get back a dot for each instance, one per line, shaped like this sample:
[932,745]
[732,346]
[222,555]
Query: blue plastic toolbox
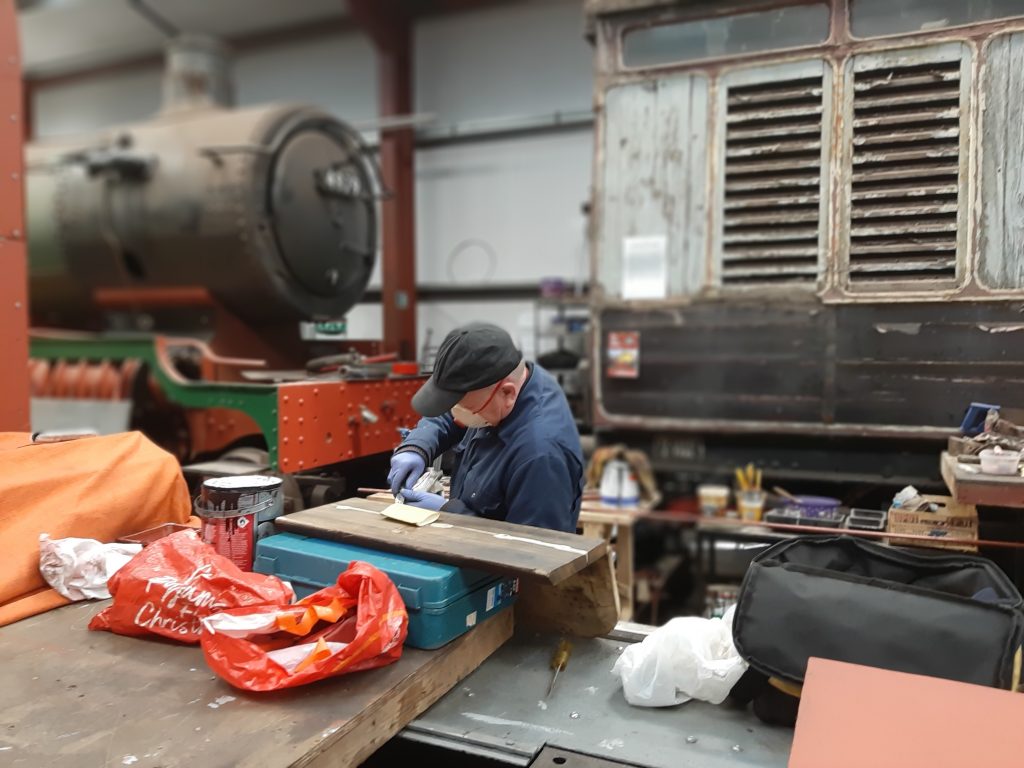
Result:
[443,601]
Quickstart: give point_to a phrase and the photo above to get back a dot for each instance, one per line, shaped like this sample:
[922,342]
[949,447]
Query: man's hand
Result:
[424,500]
[406,468]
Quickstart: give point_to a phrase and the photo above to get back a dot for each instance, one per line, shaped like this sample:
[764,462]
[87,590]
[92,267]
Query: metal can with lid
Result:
[232,507]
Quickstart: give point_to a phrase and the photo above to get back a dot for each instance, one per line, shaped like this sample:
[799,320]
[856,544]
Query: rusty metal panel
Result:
[921,364]
[14,399]
[894,369]
[722,361]
[772,202]
[655,178]
[907,142]
[1002,184]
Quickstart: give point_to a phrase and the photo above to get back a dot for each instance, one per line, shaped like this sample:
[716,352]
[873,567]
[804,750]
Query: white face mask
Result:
[467,418]
[472,419]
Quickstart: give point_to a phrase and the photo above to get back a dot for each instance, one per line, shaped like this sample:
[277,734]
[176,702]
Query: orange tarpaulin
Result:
[94,488]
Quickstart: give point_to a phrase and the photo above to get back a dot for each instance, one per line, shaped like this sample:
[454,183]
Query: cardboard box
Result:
[951,522]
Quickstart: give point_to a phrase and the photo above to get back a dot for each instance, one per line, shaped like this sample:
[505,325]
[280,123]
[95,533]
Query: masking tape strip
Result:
[359,509]
[510,537]
[550,545]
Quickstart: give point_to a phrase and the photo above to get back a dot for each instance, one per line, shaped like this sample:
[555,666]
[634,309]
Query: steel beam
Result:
[14,398]
[303,32]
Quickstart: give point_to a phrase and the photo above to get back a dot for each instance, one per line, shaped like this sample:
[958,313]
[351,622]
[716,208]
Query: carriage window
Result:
[875,18]
[743,33]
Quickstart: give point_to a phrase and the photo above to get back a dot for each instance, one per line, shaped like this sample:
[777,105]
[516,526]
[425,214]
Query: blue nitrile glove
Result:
[424,500]
[406,468]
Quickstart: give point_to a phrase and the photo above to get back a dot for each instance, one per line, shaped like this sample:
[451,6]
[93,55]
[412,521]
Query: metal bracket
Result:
[551,757]
[128,166]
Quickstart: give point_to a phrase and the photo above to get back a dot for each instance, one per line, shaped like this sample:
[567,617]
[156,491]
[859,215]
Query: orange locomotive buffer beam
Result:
[14,392]
[322,423]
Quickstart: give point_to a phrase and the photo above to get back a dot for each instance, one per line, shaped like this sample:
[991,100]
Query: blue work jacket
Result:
[527,470]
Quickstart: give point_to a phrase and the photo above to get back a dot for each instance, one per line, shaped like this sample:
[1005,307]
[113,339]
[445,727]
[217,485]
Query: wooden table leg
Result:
[624,571]
[623,549]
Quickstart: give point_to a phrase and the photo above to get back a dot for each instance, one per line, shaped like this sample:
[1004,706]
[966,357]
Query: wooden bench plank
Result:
[474,542]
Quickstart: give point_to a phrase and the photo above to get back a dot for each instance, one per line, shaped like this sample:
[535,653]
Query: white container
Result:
[995,461]
[619,486]
[713,499]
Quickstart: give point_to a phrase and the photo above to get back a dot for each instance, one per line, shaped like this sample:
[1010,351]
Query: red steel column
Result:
[14,392]
[389,24]
[397,159]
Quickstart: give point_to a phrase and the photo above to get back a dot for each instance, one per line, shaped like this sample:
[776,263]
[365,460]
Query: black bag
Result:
[952,616]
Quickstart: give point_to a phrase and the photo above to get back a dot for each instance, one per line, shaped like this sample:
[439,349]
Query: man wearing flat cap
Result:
[518,455]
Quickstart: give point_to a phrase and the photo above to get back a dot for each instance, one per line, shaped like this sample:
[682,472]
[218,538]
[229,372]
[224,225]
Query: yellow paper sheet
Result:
[410,515]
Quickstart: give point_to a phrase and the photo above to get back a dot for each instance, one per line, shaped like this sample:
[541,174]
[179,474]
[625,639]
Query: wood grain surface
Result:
[71,698]
[488,545]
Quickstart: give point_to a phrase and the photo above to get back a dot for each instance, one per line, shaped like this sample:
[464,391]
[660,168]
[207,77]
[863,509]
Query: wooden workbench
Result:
[969,485]
[71,698]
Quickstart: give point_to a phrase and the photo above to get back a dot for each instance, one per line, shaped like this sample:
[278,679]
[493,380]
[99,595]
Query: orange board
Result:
[324,422]
[854,717]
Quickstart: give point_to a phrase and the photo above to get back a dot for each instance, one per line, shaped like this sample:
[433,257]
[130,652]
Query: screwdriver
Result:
[559,660]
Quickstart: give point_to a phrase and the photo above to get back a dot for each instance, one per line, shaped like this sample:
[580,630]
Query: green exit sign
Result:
[334,328]
[327,330]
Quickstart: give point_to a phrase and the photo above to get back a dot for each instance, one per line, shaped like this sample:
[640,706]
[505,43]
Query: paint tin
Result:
[231,508]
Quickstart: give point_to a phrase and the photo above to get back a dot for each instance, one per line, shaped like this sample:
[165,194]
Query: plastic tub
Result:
[713,499]
[866,520]
[793,515]
[150,535]
[816,506]
[998,462]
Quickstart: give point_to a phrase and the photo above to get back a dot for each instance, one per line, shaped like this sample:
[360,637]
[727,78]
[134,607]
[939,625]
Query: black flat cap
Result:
[471,357]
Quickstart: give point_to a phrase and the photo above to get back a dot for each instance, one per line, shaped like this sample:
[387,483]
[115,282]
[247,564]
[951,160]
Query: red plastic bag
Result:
[171,585]
[360,623]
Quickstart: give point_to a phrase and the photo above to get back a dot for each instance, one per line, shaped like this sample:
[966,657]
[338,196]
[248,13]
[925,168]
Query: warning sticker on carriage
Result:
[623,360]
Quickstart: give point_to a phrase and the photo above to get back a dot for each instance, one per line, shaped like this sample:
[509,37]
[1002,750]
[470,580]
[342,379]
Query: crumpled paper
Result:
[688,658]
[430,481]
[80,568]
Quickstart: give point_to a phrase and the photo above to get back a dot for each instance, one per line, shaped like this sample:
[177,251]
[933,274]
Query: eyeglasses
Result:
[486,402]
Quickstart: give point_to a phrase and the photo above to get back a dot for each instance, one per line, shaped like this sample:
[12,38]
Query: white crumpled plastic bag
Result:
[688,658]
[80,568]
[241,626]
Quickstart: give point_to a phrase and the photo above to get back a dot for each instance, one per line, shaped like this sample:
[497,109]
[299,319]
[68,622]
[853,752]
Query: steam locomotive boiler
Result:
[210,253]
